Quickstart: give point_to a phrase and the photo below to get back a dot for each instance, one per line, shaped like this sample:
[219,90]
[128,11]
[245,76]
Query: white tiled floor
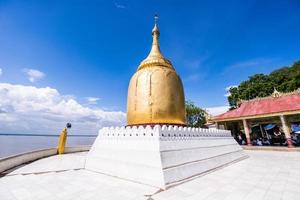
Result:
[265,175]
[54,163]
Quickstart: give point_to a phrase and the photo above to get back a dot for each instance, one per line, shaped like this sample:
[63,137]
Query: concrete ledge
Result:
[270,148]
[17,160]
[77,149]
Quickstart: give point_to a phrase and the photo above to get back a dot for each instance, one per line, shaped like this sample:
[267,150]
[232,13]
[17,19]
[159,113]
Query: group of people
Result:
[274,137]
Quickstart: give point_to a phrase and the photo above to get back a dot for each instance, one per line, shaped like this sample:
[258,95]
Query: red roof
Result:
[269,105]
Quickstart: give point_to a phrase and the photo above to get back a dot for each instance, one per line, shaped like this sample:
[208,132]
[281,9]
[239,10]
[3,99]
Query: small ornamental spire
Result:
[155,50]
[155,28]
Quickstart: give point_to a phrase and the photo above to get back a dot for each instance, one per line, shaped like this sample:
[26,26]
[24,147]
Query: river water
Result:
[16,144]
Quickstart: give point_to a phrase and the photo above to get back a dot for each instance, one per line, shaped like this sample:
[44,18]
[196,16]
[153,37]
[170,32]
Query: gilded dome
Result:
[155,93]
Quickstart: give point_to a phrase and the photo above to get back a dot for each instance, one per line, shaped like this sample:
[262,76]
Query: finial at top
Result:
[155,30]
[155,19]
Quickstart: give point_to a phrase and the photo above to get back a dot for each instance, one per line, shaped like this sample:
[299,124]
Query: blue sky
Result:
[92,48]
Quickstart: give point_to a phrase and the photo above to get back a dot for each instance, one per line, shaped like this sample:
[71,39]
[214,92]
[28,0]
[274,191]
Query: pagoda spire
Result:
[155,49]
[155,56]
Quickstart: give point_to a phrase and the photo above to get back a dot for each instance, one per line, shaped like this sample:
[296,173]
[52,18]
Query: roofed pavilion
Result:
[279,108]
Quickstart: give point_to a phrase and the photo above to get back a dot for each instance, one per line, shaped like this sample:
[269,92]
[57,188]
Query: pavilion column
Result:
[247,131]
[286,130]
[217,125]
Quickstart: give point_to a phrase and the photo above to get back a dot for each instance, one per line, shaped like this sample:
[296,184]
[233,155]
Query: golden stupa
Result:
[155,93]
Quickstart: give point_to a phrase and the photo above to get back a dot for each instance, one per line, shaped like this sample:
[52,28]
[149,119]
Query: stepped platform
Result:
[161,156]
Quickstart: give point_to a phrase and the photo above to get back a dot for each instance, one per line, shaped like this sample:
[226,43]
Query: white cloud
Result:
[28,109]
[1,72]
[92,100]
[228,88]
[194,64]
[119,6]
[214,111]
[253,63]
[192,77]
[33,74]
[198,62]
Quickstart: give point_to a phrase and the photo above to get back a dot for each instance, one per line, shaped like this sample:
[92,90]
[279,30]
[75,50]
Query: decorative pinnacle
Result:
[155,19]
[155,30]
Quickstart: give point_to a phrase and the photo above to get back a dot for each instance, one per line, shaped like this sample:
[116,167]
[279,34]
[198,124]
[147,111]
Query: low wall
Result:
[17,160]
[161,156]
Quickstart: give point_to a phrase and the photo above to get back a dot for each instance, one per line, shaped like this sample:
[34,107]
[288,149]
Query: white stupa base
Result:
[161,156]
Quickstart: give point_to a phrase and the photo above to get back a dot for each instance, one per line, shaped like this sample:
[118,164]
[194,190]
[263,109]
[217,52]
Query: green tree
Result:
[195,116]
[285,79]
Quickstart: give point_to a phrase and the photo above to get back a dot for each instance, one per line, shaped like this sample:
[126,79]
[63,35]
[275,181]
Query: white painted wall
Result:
[161,156]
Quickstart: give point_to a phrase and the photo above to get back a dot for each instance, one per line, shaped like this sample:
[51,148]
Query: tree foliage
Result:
[195,116]
[285,79]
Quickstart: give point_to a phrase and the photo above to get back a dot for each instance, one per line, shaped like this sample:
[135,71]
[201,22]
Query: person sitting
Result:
[239,137]
[278,137]
[295,139]
[259,142]
[266,141]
